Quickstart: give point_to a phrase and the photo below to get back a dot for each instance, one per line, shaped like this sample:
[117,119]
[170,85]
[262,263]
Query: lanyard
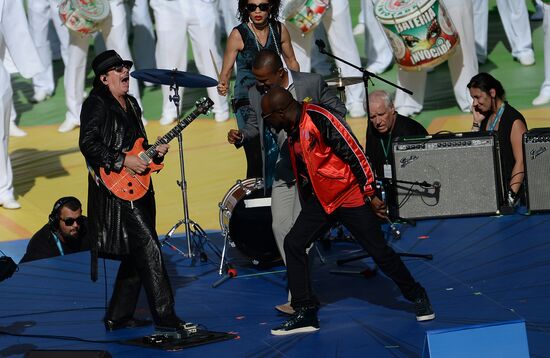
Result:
[58,243]
[386,148]
[497,118]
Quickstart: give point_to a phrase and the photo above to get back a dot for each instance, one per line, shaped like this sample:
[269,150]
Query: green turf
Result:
[521,83]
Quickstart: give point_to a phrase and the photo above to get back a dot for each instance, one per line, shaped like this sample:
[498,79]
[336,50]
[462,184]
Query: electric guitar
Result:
[131,186]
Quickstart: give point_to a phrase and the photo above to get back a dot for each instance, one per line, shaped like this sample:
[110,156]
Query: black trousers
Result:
[365,227]
[143,267]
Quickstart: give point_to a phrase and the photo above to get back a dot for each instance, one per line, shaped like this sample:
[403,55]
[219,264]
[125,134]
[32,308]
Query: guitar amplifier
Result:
[444,176]
[536,151]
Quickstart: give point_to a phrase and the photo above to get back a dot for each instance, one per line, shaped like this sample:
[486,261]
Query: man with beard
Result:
[65,232]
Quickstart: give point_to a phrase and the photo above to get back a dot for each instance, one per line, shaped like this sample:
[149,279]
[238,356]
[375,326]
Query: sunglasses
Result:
[267,115]
[70,221]
[119,68]
[252,7]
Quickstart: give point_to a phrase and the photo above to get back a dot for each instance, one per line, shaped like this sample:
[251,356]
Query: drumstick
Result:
[218,71]
[215,66]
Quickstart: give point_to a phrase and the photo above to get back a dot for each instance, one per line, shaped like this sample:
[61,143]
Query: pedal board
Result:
[190,336]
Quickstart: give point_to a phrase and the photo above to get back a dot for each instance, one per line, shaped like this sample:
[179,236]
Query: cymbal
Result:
[343,81]
[174,77]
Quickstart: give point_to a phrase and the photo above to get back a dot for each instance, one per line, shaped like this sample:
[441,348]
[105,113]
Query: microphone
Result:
[436,185]
[320,45]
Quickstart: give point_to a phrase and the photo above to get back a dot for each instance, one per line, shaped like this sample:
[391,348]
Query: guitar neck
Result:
[165,139]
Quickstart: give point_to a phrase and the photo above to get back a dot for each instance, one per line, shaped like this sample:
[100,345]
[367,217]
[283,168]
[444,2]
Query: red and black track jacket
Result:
[333,156]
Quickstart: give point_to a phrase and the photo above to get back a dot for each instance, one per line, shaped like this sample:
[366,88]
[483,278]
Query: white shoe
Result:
[221,117]
[359,29]
[15,131]
[40,96]
[527,59]
[357,111]
[10,203]
[407,112]
[165,120]
[541,99]
[67,126]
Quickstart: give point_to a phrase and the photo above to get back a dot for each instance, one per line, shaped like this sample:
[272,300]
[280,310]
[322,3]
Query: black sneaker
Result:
[423,308]
[303,321]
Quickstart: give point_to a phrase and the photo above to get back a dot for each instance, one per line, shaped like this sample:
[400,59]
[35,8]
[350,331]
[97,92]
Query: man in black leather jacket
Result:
[121,229]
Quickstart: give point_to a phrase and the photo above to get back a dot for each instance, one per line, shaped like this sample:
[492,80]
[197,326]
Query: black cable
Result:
[64,338]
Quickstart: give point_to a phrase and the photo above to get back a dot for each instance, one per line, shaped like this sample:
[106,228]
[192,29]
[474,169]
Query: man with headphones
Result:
[65,232]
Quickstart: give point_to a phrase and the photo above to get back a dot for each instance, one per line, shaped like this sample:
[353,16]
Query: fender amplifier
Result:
[445,175]
[536,151]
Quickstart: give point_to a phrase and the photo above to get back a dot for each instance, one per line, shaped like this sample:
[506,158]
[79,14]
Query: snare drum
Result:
[420,32]
[306,15]
[83,16]
[245,217]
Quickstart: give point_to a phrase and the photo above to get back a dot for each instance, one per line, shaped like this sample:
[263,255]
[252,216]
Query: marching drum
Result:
[83,16]
[245,218]
[420,32]
[306,15]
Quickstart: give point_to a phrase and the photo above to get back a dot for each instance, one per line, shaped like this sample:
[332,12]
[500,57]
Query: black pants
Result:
[364,226]
[144,266]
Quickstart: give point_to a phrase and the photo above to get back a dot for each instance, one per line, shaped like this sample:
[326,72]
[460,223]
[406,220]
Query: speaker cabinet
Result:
[444,176]
[536,151]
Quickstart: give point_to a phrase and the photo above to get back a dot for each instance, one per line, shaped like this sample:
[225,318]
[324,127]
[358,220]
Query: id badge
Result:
[387,171]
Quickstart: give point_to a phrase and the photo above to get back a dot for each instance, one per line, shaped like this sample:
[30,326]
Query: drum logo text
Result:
[419,21]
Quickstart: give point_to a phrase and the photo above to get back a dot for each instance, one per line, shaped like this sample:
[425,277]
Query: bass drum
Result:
[245,217]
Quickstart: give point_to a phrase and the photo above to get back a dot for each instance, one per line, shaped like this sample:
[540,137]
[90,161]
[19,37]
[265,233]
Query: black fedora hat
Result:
[106,60]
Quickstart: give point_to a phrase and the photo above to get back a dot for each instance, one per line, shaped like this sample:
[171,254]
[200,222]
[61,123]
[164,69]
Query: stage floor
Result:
[485,270]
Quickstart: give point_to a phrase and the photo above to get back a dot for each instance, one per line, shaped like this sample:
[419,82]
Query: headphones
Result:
[53,218]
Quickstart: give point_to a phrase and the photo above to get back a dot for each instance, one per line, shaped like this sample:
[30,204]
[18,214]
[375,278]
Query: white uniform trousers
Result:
[228,9]
[377,48]
[174,21]
[40,12]
[462,65]
[143,43]
[515,20]
[115,35]
[337,23]
[15,36]
[545,88]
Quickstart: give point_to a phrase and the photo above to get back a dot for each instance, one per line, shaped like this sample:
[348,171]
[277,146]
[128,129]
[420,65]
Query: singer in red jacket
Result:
[335,180]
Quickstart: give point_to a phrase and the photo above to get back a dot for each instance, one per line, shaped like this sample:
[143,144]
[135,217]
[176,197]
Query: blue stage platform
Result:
[485,270]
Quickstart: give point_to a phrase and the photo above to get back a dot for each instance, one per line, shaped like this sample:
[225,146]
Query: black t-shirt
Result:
[42,245]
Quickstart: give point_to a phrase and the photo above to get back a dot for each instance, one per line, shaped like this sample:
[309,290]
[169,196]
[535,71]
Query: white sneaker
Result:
[67,126]
[15,131]
[166,120]
[541,99]
[10,203]
[221,117]
[357,110]
[359,29]
[40,96]
[527,59]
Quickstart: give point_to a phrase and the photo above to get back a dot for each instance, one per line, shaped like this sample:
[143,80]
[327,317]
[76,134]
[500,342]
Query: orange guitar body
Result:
[126,184]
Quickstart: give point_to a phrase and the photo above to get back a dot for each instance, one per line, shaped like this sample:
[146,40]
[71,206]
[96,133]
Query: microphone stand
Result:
[394,231]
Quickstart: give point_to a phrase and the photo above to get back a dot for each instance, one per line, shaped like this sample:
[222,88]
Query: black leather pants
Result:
[144,266]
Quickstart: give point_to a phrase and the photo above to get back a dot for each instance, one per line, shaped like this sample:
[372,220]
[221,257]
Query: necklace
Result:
[258,43]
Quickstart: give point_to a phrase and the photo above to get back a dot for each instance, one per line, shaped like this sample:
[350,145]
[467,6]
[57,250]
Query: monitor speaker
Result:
[444,176]
[536,151]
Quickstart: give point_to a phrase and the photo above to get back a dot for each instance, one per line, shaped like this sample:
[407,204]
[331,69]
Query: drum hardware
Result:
[194,234]
[366,74]
[245,221]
